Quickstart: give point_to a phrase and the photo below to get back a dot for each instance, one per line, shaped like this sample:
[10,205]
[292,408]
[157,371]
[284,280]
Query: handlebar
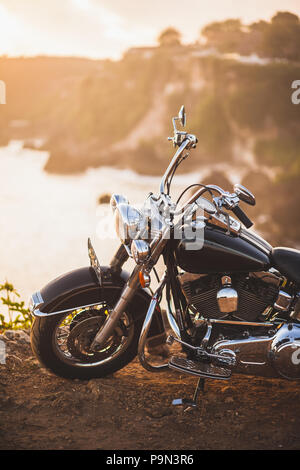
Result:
[185,141]
[237,211]
[240,214]
[189,141]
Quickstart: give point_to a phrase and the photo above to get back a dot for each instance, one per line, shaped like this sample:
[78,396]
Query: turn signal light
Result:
[144,279]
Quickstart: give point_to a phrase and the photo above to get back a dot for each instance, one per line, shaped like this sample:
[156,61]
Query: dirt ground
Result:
[132,409]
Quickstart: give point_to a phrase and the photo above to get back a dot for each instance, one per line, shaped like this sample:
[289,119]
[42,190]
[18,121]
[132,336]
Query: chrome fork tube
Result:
[127,294]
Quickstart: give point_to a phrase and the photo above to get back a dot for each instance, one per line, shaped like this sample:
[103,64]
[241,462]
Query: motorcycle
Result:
[232,300]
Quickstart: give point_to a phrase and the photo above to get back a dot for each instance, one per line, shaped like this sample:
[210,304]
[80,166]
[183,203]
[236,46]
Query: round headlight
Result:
[117,199]
[128,221]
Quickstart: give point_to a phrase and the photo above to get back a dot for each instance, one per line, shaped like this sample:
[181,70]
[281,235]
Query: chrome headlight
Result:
[128,222]
[117,199]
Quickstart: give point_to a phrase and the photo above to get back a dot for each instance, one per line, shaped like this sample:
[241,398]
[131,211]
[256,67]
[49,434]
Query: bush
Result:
[23,319]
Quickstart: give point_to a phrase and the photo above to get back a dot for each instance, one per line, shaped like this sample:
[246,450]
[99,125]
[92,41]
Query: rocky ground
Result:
[132,409]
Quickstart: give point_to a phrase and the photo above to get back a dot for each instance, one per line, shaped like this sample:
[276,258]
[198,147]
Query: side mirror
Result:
[182,116]
[244,194]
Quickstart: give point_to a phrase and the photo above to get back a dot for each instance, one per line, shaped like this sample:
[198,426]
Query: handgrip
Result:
[240,214]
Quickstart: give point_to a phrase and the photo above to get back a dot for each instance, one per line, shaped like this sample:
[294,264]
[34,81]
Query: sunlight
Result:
[82,4]
[8,25]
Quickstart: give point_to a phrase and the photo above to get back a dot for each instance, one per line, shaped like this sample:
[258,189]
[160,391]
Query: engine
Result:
[260,350]
[245,297]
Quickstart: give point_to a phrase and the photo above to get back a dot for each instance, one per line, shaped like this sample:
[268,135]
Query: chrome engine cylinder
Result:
[227,297]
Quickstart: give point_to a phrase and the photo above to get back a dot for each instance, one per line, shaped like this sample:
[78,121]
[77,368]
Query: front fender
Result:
[80,288]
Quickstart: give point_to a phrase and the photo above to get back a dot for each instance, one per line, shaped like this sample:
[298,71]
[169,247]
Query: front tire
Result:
[50,342]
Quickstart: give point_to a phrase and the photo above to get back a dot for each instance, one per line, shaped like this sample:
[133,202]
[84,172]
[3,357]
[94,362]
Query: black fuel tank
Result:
[221,253]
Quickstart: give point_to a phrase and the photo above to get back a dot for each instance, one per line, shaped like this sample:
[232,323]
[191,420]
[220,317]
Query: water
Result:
[46,219]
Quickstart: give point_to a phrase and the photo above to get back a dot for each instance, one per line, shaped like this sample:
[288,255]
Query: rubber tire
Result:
[41,338]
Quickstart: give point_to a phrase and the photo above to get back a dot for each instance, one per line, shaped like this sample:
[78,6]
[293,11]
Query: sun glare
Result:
[8,25]
[82,4]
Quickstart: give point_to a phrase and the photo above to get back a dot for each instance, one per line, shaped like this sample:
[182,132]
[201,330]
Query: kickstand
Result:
[191,404]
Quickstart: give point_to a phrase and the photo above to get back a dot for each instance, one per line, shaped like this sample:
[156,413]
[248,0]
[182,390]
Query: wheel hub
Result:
[82,335]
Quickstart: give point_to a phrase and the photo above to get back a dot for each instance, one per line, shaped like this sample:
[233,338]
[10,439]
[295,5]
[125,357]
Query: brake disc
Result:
[89,313]
[81,337]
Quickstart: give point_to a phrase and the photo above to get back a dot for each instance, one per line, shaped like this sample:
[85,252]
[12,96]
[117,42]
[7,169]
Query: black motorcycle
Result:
[232,301]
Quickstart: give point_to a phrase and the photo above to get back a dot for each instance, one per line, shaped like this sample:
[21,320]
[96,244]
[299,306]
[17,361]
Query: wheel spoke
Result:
[77,330]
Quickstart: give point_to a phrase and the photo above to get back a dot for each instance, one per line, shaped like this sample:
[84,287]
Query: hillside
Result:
[92,113]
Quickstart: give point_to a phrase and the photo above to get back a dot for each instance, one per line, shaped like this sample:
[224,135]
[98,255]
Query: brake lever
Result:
[219,202]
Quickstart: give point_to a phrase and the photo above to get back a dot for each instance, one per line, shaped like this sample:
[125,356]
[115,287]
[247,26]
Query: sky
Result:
[107,28]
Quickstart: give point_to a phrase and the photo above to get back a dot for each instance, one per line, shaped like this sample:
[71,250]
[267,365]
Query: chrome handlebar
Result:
[189,141]
[185,141]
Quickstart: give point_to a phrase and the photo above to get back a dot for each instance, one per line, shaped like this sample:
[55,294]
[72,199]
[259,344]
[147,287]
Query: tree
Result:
[226,35]
[282,38]
[169,37]
[285,18]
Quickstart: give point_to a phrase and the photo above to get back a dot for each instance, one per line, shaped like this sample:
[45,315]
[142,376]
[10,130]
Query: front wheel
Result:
[62,343]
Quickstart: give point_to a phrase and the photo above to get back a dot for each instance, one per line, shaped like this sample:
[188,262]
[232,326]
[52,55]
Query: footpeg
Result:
[200,369]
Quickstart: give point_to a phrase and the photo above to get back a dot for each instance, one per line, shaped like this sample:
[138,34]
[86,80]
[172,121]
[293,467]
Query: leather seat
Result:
[287,261]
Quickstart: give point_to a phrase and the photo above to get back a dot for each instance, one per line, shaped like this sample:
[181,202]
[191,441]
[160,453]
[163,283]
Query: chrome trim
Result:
[172,165]
[275,354]
[256,240]
[115,314]
[172,322]
[244,194]
[283,301]
[145,330]
[140,250]
[241,323]
[128,222]
[36,301]
[227,297]
[39,313]
[117,199]
[200,351]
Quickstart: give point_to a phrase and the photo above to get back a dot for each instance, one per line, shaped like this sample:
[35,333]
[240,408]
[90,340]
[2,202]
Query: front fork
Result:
[127,294]
[120,307]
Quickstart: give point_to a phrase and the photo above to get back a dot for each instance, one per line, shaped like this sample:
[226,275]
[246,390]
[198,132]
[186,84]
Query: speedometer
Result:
[206,205]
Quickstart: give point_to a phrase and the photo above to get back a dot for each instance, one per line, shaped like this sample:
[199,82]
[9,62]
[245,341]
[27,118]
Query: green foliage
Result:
[23,318]
[278,38]
[282,152]
[253,95]
[210,123]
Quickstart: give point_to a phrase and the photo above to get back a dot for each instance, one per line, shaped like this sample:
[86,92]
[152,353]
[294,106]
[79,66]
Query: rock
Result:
[10,334]
[93,387]
[18,335]
[23,337]
[12,361]
[104,198]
